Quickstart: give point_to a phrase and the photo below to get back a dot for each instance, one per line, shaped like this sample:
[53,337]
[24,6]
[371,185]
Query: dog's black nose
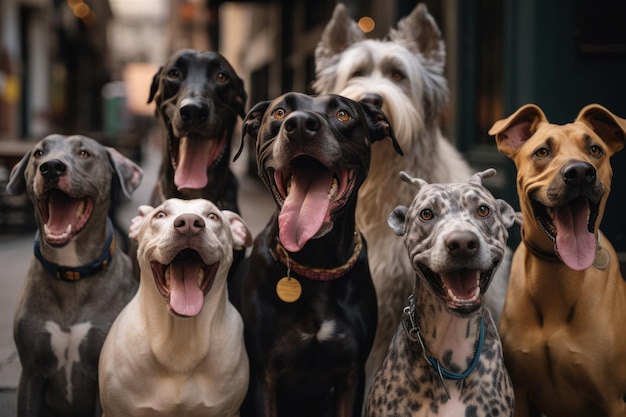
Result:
[462,243]
[189,224]
[302,125]
[194,113]
[579,173]
[52,169]
[372,98]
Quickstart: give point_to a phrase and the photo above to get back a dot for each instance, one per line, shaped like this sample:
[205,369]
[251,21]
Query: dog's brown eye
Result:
[221,77]
[483,211]
[542,153]
[279,114]
[343,115]
[357,74]
[595,150]
[397,76]
[213,216]
[160,215]
[83,154]
[427,214]
[174,74]
[37,154]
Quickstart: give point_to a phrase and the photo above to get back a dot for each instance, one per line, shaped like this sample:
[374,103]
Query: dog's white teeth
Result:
[334,189]
[80,209]
[167,276]
[200,276]
[288,187]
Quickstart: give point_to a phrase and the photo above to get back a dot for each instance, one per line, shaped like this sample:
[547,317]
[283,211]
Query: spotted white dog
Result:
[404,74]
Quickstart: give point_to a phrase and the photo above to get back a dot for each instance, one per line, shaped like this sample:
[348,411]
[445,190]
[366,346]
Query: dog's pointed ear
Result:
[17,180]
[419,30]
[477,178]
[251,124]
[511,133]
[155,85]
[128,173]
[610,128]
[379,126]
[242,237]
[417,182]
[340,32]
[137,221]
[508,214]
[397,220]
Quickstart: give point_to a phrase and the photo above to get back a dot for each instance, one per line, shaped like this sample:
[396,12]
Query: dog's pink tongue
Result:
[186,297]
[576,246]
[305,209]
[193,157]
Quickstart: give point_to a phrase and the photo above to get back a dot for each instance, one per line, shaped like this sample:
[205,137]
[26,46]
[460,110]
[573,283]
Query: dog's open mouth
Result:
[63,216]
[461,290]
[193,156]
[571,228]
[309,195]
[184,282]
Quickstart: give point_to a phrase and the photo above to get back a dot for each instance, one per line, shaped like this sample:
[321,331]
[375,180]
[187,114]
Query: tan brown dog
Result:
[562,326]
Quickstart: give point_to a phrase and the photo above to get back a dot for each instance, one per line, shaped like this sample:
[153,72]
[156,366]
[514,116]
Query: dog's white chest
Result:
[65,346]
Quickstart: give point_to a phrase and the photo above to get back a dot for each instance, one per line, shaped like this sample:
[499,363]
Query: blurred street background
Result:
[85,66]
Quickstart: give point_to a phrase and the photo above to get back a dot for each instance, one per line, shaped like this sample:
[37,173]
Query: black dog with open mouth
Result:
[198,97]
[307,299]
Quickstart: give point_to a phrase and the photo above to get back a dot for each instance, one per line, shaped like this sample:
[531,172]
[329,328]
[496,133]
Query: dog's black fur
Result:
[307,357]
[198,96]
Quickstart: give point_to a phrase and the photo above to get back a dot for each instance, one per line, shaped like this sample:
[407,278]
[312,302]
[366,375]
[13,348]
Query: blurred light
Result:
[81,10]
[367,24]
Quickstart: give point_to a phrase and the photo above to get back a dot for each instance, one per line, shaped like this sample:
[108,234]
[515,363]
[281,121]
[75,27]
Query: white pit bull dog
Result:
[177,348]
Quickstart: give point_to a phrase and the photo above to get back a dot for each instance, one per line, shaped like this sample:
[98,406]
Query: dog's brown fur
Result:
[562,326]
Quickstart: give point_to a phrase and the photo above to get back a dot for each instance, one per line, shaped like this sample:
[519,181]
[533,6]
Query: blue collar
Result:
[413,333]
[70,273]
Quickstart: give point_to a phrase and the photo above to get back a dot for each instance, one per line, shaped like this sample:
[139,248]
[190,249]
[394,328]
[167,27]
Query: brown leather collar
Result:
[280,254]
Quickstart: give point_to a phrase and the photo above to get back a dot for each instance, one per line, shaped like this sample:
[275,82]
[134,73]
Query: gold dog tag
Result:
[601,260]
[288,289]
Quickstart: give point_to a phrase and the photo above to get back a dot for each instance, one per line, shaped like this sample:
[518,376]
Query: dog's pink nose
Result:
[189,224]
[462,243]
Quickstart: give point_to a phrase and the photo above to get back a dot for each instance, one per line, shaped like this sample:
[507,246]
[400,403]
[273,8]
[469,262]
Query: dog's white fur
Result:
[155,363]
[406,71]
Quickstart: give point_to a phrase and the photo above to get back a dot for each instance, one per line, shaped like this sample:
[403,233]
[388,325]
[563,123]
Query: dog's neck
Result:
[77,260]
[451,344]
[171,337]
[331,251]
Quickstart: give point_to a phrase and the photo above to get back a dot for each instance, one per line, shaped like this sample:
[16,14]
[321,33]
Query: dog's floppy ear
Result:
[379,125]
[397,220]
[155,85]
[511,133]
[241,233]
[127,172]
[17,181]
[509,216]
[137,221]
[417,182]
[610,128]
[251,124]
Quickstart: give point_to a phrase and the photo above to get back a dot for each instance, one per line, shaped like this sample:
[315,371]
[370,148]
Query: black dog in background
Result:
[307,299]
[198,97]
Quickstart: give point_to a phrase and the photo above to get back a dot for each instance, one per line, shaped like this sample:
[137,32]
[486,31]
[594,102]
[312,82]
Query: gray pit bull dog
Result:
[177,349]
[446,357]
[78,280]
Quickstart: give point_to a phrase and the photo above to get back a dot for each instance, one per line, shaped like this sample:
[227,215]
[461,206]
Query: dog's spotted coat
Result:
[407,383]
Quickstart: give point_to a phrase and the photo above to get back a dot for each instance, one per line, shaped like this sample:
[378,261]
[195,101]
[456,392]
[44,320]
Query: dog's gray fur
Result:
[455,236]
[60,326]
[403,73]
